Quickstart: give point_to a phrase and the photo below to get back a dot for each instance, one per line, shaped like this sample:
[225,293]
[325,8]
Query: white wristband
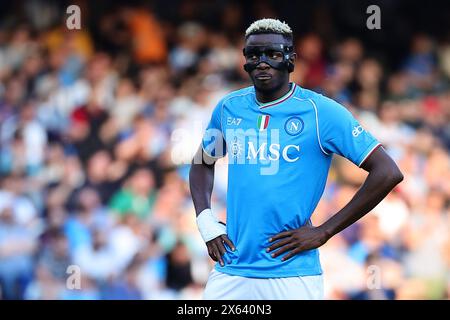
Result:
[209,226]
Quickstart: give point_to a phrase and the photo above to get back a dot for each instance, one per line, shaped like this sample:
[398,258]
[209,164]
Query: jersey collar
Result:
[289,94]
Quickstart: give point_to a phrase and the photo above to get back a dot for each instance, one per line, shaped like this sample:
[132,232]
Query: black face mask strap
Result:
[289,64]
[285,64]
[249,67]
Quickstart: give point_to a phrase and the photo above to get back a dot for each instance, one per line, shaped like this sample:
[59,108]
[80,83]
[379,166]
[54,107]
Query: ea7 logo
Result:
[233,121]
[357,131]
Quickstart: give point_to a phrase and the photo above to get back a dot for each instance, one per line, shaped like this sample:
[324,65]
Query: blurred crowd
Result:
[98,126]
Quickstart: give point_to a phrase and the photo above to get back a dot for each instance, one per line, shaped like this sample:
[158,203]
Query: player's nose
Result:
[262,66]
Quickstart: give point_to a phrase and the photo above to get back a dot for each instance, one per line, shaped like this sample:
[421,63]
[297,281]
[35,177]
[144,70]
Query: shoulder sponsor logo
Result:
[357,131]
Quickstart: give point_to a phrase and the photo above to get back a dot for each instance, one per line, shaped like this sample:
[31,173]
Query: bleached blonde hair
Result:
[269,26]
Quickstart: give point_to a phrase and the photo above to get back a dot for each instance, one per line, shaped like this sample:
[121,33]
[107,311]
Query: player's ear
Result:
[291,62]
[292,58]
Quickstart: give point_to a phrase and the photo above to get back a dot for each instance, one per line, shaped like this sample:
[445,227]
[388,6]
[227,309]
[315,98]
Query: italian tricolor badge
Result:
[263,122]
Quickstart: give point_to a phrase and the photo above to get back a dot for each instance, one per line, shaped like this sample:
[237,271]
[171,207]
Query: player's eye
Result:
[275,55]
[252,57]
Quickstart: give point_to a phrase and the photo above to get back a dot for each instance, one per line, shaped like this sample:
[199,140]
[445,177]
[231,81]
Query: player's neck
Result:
[265,97]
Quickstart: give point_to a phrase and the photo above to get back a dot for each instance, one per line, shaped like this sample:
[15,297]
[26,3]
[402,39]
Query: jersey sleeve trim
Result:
[366,154]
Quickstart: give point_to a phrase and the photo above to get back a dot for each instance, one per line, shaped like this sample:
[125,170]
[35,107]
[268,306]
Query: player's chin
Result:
[264,84]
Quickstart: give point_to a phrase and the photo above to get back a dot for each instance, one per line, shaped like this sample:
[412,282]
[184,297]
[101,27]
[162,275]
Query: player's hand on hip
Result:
[296,241]
[216,248]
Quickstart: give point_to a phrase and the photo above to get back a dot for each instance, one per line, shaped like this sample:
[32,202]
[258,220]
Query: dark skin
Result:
[201,181]
[278,85]
[383,176]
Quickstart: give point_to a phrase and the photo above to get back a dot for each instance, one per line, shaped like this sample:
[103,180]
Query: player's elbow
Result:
[393,176]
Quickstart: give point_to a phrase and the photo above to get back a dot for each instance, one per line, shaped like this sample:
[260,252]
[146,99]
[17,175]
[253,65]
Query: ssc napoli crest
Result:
[294,126]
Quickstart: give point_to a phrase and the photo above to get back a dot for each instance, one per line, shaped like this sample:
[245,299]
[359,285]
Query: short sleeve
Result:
[341,133]
[213,141]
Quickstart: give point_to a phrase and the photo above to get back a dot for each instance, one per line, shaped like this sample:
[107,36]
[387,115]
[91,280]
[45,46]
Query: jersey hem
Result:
[265,275]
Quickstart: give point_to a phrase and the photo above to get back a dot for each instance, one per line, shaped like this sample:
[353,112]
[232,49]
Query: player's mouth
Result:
[263,76]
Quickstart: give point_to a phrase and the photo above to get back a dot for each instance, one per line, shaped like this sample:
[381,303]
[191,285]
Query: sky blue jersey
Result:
[279,154]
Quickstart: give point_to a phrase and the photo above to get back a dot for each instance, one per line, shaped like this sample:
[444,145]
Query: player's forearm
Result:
[201,181]
[376,187]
